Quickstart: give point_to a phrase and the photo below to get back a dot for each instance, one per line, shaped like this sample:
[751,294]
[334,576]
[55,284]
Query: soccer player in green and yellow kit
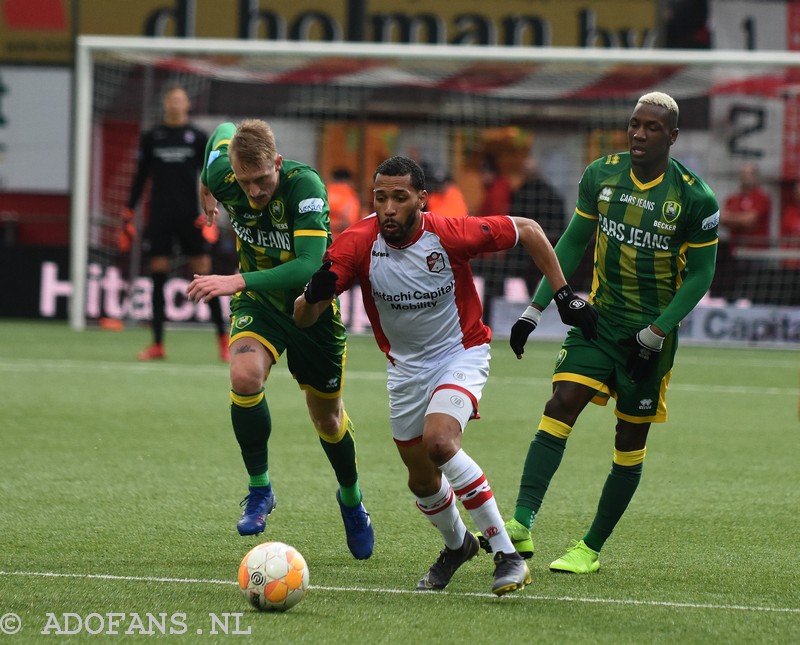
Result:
[279,211]
[656,241]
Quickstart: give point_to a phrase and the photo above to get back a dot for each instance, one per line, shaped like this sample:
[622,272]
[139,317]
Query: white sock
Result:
[472,488]
[440,508]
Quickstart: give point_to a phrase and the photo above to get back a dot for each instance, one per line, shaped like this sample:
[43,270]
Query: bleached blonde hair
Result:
[662,100]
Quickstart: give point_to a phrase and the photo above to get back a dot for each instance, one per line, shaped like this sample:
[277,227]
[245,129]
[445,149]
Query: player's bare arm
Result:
[306,313]
[206,287]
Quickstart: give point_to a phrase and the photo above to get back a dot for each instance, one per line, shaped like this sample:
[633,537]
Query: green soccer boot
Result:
[578,559]
[520,536]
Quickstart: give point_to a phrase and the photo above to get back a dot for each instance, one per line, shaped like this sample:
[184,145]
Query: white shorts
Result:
[453,387]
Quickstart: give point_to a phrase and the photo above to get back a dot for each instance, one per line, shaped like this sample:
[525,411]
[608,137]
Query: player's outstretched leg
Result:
[578,559]
[258,504]
[448,562]
[520,537]
[358,528]
[511,573]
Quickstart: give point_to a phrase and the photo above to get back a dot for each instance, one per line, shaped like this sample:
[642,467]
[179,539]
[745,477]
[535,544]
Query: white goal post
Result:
[451,107]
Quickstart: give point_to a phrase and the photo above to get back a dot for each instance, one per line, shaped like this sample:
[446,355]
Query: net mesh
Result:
[509,136]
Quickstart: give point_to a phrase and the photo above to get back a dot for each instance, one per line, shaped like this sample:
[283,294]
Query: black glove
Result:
[645,349]
[522,329]
[322,285]
[576,312]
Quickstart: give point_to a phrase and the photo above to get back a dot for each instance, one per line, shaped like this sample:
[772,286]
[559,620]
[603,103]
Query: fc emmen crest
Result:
[435,262]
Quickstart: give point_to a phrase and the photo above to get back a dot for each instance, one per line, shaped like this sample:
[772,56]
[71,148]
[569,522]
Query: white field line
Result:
[33,365]
[518,596]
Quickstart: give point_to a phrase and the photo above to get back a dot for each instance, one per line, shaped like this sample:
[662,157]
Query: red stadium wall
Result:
[34,219]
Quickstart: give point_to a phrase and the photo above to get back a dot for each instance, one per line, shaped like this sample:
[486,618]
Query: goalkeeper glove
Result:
[127,232]
[576,312]
[522,329]
[322,285]
[210,231]
[645,349]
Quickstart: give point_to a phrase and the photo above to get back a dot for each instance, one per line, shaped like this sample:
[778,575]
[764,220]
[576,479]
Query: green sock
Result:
[350,495]
[544,458]
[259,481]
[619,488]
[342,457]
[252,425]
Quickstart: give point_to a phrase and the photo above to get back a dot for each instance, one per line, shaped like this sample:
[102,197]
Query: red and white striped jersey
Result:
[421,298]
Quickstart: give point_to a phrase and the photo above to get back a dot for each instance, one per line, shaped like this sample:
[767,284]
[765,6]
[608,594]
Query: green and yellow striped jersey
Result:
[266,239]
[643,232]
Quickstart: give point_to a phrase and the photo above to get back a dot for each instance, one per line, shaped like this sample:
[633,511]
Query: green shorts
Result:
[601,365]
[315,355]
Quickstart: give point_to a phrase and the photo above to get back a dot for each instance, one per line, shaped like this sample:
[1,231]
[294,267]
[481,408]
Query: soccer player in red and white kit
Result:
[418,291]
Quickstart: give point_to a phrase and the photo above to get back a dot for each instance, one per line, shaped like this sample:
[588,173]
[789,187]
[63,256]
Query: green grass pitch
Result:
[121,481]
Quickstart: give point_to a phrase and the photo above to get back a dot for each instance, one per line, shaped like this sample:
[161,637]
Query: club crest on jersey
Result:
[277,212]
[670,211]
[243,322]
[435,262]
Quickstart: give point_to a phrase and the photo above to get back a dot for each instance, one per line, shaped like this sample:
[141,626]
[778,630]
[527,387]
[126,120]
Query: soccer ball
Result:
[273,576]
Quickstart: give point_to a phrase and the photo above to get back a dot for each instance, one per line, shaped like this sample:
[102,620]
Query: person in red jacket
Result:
[744,222]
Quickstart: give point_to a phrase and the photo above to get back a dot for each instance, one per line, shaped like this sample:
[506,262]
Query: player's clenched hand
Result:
[205,287]
[521,329]
[576,312]
[322,285]
[645,349]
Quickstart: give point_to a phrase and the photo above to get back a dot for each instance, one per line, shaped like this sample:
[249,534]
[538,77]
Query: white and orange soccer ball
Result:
[273,576]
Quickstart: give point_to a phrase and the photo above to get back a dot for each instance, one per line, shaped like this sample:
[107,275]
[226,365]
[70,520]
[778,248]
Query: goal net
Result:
[504,129]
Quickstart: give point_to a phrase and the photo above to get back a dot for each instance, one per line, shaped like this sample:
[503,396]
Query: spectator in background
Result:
[496,189]
[746,212]
[343,200]
[171,156]
[790,228]
[492,268]
[744,221]
[444,197]
[536,199]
